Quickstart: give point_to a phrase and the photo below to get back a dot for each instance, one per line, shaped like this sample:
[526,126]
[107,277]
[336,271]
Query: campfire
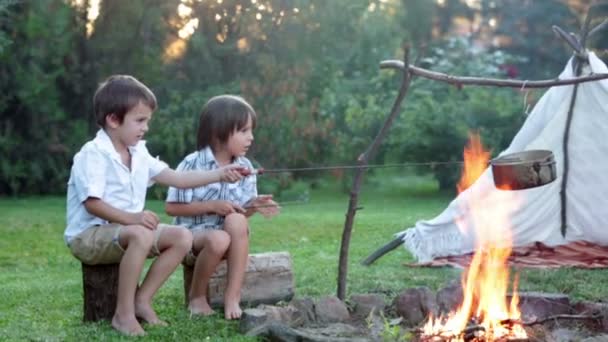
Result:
[485,314]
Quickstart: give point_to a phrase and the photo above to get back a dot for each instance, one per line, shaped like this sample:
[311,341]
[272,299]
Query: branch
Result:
[359,175]
[570,39]
[598,28]
[585,29]
[480,81]
[551,318]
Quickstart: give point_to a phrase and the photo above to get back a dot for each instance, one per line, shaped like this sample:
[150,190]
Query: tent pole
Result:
[580,58]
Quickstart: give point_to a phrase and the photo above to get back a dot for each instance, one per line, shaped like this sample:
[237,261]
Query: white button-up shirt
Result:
[239,193]
[98,172]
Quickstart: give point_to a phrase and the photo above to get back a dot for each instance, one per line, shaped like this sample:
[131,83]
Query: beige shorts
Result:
[100,245]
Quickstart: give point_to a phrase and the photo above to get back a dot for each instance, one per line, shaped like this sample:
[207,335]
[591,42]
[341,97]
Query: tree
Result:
[523,28]
[38,81]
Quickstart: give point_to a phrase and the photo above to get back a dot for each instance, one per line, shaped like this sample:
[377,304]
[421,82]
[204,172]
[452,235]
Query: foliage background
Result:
[309,67]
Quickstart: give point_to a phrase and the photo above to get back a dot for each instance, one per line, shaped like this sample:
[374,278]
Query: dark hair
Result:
[220,117]
[118,94]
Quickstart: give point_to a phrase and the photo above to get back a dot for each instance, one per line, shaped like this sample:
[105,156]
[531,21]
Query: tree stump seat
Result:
[100,290]
[268,280]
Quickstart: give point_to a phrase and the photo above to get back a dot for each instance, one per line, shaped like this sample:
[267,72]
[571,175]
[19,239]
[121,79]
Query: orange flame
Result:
[475,162]
[485,282]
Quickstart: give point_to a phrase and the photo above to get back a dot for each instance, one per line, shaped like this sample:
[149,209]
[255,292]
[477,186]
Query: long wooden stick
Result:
[578,66]
[552,318]
[358,179]
[598,28]
[570,39]
[481,81]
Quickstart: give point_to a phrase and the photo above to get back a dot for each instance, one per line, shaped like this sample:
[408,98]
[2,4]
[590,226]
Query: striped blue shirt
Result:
[239,193]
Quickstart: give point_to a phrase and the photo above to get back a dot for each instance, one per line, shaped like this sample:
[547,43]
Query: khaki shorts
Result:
[99,244]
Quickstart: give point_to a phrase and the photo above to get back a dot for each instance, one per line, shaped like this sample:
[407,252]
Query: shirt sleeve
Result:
[155,165]
[89,174]
[180,195]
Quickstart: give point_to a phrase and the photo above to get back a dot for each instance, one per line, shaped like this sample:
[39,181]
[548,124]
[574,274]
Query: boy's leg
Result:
[237,226]
[136,242]
[211,246]
[171,245]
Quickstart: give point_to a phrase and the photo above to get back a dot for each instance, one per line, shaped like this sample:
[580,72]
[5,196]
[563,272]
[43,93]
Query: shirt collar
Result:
[209,159]
[104,143]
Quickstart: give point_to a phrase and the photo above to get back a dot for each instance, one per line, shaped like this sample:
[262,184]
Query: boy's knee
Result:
[219,241]
[223,241]
[140,236]
[235,219]
[182,238]
[237,230]
[174,237]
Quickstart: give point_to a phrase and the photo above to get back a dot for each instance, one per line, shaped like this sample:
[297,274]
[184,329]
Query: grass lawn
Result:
[41,283]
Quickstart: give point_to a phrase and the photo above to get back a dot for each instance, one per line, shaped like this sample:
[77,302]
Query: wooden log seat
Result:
[268,280]
[100,285]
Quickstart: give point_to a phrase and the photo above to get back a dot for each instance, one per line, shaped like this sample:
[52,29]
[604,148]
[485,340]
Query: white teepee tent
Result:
[536,216]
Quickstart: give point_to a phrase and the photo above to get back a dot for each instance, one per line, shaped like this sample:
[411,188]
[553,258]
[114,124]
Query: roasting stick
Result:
[280,205]
[261,170]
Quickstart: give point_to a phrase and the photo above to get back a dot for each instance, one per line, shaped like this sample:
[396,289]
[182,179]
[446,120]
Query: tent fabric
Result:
[533,215]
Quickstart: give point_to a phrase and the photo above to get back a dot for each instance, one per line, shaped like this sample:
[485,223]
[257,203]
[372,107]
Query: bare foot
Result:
[145,312]
[232,310]
[129,326]
[200,306]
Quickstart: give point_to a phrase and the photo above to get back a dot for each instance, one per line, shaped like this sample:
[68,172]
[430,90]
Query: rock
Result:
[415,305]
[450,297]
[251,319]
[363,304]
[306,307]
[594,308]
[263,314]
[277,332]
[565,335]
[335,330]
[601,338]
[331,310]
[538,305]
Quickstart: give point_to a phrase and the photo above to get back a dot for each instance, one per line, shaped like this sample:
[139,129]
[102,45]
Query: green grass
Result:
[41,284]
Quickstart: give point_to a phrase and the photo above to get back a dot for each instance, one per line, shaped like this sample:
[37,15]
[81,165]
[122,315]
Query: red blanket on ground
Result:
[579,254]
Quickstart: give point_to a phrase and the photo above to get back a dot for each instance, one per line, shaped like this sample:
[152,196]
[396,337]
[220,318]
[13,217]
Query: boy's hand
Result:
[224,208]
[265,205]
[230,173]
[148,219]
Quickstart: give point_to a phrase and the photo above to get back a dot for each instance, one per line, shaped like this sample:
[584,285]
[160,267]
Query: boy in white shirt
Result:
[106,220]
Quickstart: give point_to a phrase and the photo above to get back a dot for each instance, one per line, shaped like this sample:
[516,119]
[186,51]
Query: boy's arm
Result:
[101,209]
[222,208]
[192,179]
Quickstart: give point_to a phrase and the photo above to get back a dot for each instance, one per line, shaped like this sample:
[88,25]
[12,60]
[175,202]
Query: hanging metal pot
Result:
[523,170]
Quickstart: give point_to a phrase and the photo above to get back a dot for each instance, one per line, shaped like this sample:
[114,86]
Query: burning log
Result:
[473,332]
